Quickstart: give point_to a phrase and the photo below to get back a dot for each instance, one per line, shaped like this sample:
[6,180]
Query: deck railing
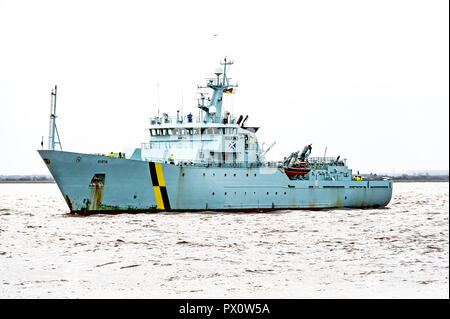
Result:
[326,161]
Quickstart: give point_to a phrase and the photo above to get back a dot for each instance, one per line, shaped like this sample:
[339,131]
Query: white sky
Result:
[367,79]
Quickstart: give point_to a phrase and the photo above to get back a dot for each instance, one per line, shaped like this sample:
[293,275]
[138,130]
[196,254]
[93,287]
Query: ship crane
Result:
[305,153]
[294,158]
[268,149]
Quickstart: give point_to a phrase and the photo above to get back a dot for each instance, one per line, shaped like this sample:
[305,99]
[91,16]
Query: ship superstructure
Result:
[209,162]
[214,137]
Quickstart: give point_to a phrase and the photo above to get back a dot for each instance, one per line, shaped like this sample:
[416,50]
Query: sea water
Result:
[401,251]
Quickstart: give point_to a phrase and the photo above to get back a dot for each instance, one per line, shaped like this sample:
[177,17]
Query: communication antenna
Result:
[157,92]
[52,126]
[182,101]
[325,153]
[225,63]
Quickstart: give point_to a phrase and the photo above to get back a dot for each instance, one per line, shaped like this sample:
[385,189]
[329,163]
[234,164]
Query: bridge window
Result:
[210,130]
[155,132]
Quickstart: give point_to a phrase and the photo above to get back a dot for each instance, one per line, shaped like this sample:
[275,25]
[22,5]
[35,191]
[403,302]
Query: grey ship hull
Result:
[96,183]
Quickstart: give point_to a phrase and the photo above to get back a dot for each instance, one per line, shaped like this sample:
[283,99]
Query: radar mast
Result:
[219,85]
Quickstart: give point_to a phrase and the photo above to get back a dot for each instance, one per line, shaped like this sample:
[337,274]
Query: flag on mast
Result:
[228,91]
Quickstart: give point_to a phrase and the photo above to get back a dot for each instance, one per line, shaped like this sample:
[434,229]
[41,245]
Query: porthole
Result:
[214,174]
[246,174]
[284,193]
[225,174]
[234,174]
[203,174]
[276,193]
[267,193]
[182,174]
[255,174]
[213,193]
[225,193]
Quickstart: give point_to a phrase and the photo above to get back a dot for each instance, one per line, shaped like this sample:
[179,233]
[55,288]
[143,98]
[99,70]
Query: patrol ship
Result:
[210,162]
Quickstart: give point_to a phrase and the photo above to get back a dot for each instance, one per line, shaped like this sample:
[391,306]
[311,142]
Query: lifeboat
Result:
[297,169]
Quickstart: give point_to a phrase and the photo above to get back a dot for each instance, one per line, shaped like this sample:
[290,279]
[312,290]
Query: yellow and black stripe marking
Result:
[159,186]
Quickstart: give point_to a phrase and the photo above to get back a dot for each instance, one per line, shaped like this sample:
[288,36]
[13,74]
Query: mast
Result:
[214,109]
[52,127]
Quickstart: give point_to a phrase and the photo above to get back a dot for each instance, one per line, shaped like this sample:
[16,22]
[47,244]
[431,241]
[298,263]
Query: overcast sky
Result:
[369,80]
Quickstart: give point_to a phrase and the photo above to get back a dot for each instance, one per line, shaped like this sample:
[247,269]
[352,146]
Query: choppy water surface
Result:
[397,252]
